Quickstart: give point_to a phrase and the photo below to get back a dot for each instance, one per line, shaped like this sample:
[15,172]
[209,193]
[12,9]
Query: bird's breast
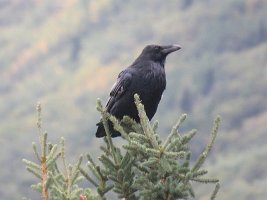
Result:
[150,83]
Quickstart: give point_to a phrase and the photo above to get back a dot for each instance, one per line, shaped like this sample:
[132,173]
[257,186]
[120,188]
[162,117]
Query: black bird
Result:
[146,77]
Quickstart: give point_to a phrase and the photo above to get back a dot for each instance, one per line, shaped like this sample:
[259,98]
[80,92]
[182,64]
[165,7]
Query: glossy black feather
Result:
[146,77]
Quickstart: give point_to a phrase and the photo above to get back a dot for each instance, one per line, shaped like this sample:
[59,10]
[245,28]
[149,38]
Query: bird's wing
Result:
[118,89]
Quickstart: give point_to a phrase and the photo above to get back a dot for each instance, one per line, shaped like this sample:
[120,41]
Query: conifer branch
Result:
[174,130]
[215,191]
[155,126]
[84,173]
[43,142]
[106,127]
[34,172]
[44,176]
[54,183]
[36,152]
[201,159]
[62,142]
[205,180]
[148,130]
[118,127]
[187,137]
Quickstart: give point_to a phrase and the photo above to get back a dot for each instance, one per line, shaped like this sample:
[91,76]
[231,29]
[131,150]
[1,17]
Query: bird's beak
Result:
[170,48]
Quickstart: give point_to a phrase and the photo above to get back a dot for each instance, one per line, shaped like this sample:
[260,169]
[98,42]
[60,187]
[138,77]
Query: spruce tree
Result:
[58,181]
[146,167]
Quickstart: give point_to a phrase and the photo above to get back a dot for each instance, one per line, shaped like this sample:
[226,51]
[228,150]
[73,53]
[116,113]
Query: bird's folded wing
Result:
[119,88]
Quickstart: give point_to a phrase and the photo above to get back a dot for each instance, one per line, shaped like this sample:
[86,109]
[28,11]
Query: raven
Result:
[146,77]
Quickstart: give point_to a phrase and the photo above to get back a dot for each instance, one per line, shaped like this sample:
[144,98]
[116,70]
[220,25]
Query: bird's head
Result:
[158,53]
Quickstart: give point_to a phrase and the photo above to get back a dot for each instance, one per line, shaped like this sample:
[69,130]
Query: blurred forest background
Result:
[68,53]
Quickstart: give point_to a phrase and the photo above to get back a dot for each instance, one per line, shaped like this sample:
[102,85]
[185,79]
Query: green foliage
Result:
[148,168]
[55,183]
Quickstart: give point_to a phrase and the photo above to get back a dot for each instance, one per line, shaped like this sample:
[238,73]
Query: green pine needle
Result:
[214,193]
[34,172]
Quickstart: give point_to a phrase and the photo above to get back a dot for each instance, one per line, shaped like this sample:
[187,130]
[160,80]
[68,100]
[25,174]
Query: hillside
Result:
[66,55]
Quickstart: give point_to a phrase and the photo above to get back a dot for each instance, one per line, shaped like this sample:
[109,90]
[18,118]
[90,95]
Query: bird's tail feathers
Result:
[101,130]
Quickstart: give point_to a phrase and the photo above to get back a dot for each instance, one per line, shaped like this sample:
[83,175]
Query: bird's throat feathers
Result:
[162,62]
[139,62]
